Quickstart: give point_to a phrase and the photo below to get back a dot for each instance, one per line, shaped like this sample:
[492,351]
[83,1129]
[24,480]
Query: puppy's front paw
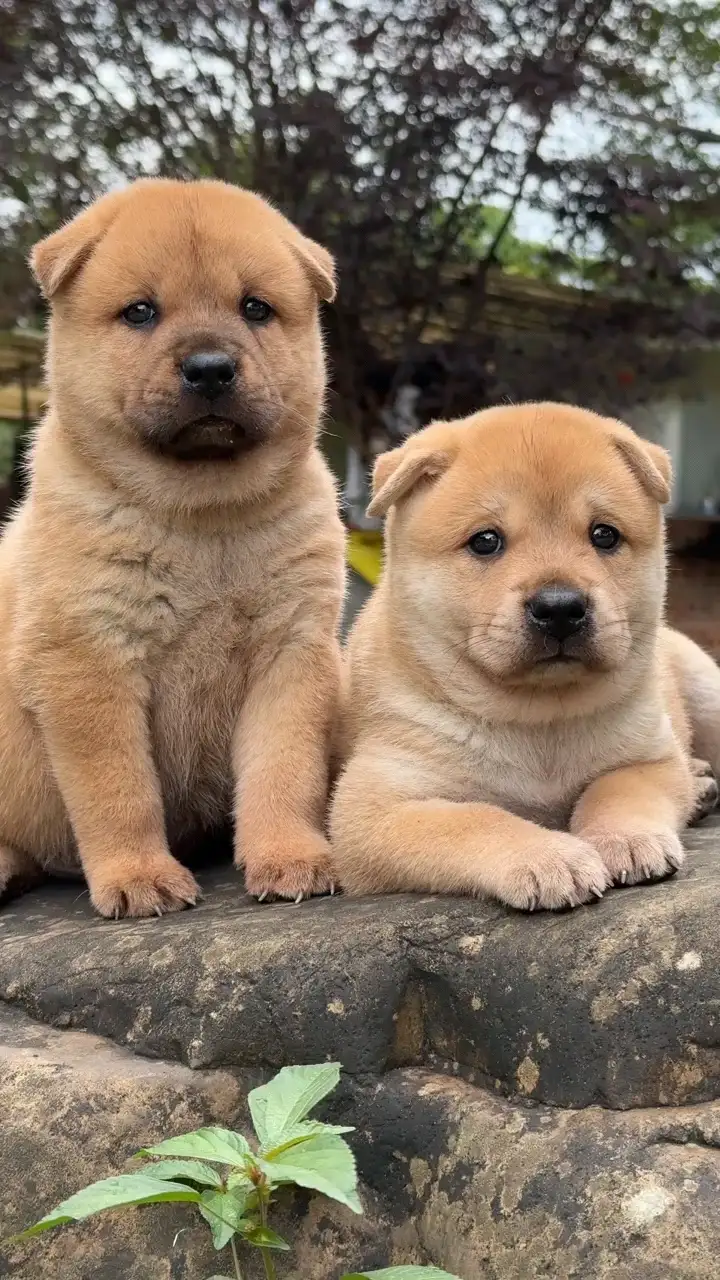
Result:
[562,872]
[296,866]
[149,886]
[634,856]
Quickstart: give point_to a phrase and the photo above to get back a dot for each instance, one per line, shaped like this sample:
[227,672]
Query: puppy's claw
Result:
[598,893]
[332,888]
[299,899]
[158,910]
[623,877]
[263,895]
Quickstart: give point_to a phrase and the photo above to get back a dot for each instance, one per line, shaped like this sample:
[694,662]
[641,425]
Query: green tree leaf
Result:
[192,1170]
[223,1210]
[264,1238]
[220,1146]
[402,1273]
[288,1098]
[324,1163]
[120,1192]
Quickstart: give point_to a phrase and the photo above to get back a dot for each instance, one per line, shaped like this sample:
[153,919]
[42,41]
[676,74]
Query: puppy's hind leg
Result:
[707,792]
[18,872]
[699,680]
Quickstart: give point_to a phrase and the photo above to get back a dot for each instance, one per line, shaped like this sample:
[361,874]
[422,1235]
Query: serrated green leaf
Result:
[264,1238]
[224,1211]
[324,1163]
[402,1273]
[194,1170]
[239,1178]
[288,1098]
[220,1146]
[301,1132]
[120,1192]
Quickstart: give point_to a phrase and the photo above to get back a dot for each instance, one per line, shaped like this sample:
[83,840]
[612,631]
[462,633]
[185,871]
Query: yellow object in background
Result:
[365,554]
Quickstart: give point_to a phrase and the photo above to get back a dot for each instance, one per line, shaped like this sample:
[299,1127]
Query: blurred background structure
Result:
[523,200]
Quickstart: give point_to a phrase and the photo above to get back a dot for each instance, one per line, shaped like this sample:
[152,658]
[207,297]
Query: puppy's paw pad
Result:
[301,869]
[566,873]
[160,887]
[634,857]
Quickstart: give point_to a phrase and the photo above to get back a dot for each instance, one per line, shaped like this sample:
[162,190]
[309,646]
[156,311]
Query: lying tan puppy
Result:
[518,723]
[170,590]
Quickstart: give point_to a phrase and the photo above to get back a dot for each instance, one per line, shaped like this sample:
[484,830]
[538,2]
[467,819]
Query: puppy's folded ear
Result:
[398,472]
[318,264]
[649,462]
[56,259]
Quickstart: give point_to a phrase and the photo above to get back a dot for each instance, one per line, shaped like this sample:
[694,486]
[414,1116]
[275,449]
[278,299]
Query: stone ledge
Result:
[614,1004]
[488,1188]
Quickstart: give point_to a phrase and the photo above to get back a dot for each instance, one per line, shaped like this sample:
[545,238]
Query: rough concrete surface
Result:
[534,1096]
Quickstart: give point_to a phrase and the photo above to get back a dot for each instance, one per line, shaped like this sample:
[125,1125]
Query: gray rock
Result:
[501,1191]
[614,1004]
[76,1108]
[533,1094]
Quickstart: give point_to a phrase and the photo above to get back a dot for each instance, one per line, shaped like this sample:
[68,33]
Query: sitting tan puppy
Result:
[518,723]
[170,589]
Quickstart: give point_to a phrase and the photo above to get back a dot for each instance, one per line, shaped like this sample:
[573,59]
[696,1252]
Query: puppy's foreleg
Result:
[633,815]
[384,842]
[281,761]
[94,722]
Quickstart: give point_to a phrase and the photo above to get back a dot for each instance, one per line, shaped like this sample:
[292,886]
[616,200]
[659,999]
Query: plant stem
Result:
[270,1272]
[236,1260]
[268,1260]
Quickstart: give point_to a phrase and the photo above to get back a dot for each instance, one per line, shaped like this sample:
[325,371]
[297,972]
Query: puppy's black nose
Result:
[558,611]
[208,373]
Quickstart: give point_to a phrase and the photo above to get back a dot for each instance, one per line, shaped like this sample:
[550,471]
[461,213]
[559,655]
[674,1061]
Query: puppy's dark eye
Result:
[138,314]
[488,542]
[256,311]
[605,537]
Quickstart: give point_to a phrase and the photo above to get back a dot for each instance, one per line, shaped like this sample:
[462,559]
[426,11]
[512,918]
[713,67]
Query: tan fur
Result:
[472,765]
[168,650]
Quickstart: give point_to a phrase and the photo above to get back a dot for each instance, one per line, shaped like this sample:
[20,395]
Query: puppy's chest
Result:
[539,772]
[157,594]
